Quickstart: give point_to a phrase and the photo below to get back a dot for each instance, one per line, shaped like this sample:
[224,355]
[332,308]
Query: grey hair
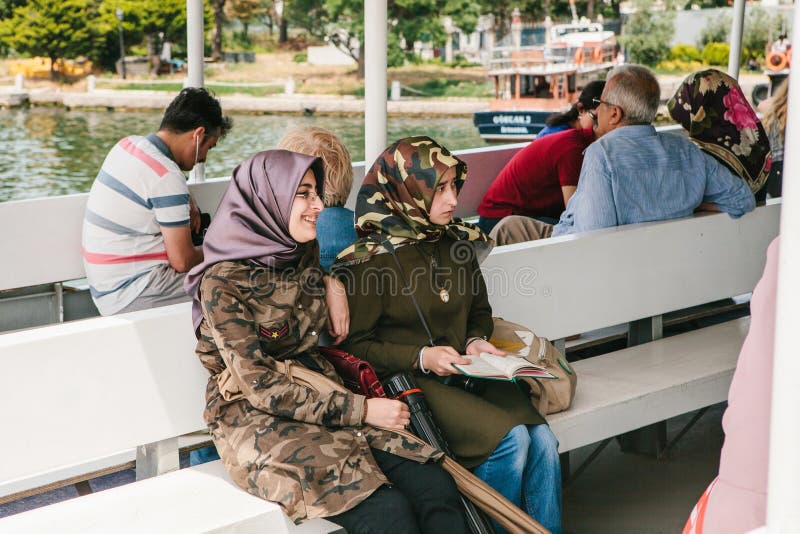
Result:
[634,89]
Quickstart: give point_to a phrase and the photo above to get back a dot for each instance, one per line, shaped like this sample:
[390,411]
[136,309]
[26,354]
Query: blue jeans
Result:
[201,456]
[526,470]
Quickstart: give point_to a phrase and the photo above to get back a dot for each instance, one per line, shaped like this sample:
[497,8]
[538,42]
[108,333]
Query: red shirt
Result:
[530,184]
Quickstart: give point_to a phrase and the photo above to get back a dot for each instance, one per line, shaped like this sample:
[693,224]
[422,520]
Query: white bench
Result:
[634,274]
[84,391]
[137,372]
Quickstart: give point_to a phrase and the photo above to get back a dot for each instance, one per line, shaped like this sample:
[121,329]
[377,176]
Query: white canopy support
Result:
[783,491]
[375,24]
[194,56]
[735,55]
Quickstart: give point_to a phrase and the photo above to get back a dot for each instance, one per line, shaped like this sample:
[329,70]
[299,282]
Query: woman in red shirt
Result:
[540,179]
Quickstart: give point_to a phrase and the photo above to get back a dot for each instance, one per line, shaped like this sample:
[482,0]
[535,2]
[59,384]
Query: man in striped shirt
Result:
[137,244]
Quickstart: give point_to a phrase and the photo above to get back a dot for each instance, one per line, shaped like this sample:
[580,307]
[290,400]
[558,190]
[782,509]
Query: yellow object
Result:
[39,67]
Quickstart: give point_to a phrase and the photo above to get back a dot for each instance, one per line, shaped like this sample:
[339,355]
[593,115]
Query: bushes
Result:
[716,53]
[683,52]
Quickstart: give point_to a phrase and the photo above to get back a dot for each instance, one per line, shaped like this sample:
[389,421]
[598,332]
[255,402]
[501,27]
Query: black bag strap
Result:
[390,248]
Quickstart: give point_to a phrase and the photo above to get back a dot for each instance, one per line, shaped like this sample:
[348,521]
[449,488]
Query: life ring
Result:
[776,61]
[597,54]
[578,57]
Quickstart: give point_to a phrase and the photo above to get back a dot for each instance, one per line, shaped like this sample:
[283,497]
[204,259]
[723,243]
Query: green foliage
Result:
[758,26]
[395,56]
[679,65]
[300,58]
[62,29]
[684,52]
[716,30]
[716,53]
[647,34]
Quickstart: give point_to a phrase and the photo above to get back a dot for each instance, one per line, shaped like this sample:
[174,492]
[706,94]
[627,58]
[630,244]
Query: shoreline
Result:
[297,104]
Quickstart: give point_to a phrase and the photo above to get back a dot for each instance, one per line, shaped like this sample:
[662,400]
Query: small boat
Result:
[531,82]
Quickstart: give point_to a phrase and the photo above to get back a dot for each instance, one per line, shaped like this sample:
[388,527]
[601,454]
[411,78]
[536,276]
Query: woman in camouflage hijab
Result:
[712,108]
[395,199]
[424,304]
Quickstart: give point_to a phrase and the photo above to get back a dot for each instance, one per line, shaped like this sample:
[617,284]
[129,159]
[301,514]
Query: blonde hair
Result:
[325,145]
[776,114]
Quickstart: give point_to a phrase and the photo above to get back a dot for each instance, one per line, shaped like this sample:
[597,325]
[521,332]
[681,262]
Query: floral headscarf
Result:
[710,105]
[395,198]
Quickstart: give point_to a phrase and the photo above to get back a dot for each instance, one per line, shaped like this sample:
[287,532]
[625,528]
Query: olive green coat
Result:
[386,331]
[278,439]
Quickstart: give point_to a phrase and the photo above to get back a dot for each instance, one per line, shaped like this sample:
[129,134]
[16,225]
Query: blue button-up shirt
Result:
[634,174]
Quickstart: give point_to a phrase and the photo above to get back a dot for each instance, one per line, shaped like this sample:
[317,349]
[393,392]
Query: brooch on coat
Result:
[274,333]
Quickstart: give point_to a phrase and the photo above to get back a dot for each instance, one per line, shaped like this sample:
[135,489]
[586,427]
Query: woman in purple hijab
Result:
[259,298]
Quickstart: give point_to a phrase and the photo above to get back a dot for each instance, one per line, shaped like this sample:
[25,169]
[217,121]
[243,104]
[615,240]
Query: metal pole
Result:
[194,56]
[735,56]
[375,23]
[783,492]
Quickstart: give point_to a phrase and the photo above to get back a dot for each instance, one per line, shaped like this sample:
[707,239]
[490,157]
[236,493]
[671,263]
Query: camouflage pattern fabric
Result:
[278,439]
[395,198]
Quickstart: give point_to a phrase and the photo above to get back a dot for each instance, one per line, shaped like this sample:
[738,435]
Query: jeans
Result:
[201,456]
[525,469]
[422,498]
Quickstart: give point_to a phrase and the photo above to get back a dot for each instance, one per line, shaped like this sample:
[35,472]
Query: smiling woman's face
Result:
[305,210]
[445,198]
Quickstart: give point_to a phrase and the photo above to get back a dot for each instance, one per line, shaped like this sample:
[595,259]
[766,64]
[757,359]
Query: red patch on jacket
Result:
[274,333]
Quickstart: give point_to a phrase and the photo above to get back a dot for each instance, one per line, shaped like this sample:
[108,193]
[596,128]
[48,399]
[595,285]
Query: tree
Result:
[63,29]
[716,30]
[245,11]
[647,35]
[218,7]
[149,21]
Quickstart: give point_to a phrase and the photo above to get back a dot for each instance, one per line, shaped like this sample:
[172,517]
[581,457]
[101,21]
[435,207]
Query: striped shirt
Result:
[634,174]
[138,190]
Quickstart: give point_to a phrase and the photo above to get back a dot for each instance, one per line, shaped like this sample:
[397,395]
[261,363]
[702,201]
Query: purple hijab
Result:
[252,220]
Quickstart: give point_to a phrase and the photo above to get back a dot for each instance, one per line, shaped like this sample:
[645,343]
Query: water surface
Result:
[54,151]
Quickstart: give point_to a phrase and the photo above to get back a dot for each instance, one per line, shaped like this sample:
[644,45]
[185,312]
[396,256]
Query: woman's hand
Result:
[387,413]
[440,360]
[338,309]
[481,345]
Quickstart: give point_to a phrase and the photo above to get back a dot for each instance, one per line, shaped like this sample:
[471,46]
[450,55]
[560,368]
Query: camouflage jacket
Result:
[279,440]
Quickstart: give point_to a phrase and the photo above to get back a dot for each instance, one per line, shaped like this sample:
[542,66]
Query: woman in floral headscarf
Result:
[410,244]
[712,108]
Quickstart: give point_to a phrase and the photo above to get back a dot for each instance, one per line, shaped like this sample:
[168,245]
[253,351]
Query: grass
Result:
[177,86]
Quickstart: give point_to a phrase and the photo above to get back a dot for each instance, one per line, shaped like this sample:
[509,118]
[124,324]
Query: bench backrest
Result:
[104,385]
[572,284]
[43,235]
[83,390]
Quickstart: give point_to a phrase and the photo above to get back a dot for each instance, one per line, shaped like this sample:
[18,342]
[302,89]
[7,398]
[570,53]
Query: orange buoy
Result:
[578,56]
[597,54]
[776,61]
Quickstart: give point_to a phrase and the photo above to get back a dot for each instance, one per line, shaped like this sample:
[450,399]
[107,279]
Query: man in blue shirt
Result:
[633,174]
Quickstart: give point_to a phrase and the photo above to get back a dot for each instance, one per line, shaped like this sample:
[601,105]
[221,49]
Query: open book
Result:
[493,367]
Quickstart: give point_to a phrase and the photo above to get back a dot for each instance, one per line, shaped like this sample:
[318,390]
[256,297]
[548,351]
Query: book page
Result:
[480,367]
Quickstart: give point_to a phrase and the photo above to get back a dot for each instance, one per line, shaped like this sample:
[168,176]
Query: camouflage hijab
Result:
[395,198]
[710,105]
[252,220]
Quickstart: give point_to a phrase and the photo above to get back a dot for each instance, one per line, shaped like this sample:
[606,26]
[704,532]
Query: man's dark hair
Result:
[195,107]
